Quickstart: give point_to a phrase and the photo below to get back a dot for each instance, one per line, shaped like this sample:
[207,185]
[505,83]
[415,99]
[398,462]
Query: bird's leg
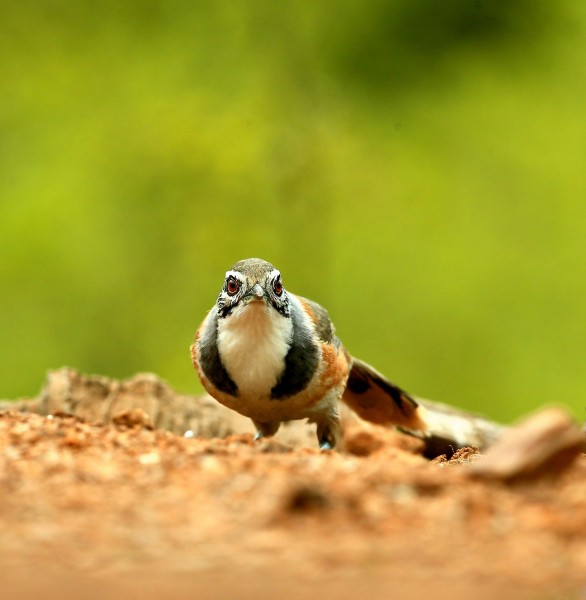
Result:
[328,430]
[266,429]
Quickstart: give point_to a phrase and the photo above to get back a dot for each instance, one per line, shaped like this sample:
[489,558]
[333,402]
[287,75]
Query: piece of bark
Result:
[543,445]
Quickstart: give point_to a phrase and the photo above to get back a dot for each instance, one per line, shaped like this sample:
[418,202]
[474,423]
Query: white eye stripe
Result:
[274,275]
[236,275]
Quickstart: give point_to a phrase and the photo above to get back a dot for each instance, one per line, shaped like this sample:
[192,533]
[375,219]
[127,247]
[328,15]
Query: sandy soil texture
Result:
[108,506]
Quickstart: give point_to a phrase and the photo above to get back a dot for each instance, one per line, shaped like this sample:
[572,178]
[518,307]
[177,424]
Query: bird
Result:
[274,356]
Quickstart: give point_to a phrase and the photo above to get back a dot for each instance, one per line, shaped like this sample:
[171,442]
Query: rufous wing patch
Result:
[373,398]
[336,366]
[321,320]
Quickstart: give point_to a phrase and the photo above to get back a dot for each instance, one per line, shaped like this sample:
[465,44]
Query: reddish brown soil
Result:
[122,511]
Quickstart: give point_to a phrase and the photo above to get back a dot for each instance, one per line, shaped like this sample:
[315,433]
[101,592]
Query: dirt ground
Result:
[116,502]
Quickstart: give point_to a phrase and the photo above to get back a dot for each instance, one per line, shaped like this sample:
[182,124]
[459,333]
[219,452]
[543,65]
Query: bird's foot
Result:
[326,445]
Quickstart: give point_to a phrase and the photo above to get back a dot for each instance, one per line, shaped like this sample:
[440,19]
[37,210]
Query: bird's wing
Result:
[323,325]
[374,398]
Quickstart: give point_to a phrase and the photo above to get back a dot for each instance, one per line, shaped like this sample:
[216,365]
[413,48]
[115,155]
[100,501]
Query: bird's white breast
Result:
[253,342]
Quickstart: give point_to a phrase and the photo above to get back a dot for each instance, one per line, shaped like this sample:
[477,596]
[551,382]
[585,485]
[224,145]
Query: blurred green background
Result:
[417,167]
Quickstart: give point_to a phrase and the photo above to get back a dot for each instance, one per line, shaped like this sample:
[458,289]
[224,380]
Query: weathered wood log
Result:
[543,445]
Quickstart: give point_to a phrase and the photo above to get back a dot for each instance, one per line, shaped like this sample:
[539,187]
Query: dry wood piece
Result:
[544,444]
[99,399]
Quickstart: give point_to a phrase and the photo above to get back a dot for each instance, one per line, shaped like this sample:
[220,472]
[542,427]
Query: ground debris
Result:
[468,454]
[543,445]
[134,417]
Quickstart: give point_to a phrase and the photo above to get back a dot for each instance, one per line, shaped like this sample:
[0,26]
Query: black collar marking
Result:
[301,361]
[210,361]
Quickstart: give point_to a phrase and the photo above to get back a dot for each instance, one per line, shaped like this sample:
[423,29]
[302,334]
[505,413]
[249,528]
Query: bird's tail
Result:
[448,429]
[443,428]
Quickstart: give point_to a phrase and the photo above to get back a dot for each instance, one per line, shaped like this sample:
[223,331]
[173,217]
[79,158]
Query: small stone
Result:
[150,458]
[362,443]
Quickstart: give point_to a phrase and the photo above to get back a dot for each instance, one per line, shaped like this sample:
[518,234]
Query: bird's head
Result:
[252,281]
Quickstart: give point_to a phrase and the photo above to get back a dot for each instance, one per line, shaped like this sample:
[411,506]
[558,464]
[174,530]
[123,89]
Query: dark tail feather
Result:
[374,398]
[444,429]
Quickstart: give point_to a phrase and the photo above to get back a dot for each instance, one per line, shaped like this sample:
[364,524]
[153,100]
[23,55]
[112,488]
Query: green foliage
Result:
[415,167]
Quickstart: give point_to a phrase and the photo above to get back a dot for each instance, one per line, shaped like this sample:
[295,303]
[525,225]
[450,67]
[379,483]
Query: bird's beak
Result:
[255,294]
[257,291]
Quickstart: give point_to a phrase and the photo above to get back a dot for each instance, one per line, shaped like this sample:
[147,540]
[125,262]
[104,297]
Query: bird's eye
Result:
[278,286]
[232,285]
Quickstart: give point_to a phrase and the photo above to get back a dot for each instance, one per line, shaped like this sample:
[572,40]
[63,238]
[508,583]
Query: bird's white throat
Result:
[253,342]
